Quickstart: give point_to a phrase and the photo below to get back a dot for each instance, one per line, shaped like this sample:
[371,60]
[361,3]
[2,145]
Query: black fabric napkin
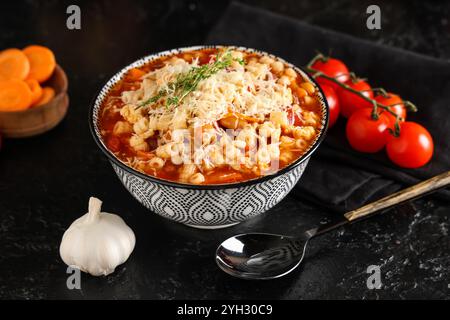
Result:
[338,177]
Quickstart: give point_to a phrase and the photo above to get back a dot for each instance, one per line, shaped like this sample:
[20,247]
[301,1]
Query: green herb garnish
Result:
[187,82]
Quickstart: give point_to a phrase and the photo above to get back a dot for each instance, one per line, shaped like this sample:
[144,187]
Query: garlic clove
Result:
[97,242]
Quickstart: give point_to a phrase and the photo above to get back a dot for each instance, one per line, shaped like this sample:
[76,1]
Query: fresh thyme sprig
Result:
[187,82]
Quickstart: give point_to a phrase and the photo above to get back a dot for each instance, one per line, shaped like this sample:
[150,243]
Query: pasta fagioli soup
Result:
[211,116]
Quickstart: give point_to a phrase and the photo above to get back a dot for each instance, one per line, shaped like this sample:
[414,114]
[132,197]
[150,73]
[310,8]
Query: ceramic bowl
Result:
[34,121]
[205,206]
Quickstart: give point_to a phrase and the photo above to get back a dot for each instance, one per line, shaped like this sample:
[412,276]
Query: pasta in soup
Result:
[211,116]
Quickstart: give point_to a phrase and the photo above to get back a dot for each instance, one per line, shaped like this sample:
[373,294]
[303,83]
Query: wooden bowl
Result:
[34,121]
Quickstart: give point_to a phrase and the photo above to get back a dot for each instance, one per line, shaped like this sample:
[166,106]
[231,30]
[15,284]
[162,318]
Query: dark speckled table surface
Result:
[45,181]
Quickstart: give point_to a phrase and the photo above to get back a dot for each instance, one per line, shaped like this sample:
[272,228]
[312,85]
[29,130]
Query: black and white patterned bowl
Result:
[205,206]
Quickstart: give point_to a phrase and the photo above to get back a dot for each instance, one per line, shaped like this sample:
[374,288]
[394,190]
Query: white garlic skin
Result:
[97,242]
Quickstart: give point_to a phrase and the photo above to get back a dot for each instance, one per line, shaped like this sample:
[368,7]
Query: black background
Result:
[45,182]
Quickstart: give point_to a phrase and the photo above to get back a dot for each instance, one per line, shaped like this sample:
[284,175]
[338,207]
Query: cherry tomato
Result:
[333,103]
[333,68]
[350,102]
[366,134]
[413,148]
[396,104]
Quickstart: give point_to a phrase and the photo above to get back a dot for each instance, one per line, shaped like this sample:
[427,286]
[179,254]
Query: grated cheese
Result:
[251,90]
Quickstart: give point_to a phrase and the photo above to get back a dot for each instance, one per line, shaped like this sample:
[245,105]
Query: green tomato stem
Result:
[346,87]
[408,104]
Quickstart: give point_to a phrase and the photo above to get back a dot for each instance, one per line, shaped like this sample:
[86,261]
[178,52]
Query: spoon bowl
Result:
[261,256]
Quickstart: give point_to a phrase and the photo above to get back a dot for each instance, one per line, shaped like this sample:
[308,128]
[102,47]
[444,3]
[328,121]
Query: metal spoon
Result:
[260,256]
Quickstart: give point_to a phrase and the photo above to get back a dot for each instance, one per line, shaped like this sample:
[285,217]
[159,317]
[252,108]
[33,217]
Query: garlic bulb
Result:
[97,242]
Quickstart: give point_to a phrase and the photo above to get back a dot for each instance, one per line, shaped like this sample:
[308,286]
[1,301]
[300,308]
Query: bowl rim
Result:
[97,100]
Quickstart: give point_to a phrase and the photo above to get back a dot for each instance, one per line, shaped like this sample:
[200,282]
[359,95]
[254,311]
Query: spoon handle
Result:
[412,192]
[420,189]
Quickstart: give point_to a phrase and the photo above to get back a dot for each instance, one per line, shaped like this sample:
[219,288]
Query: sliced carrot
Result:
[13,65]
[135,74]
[47,94]
[42,62]
[36,90]
[15,95]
